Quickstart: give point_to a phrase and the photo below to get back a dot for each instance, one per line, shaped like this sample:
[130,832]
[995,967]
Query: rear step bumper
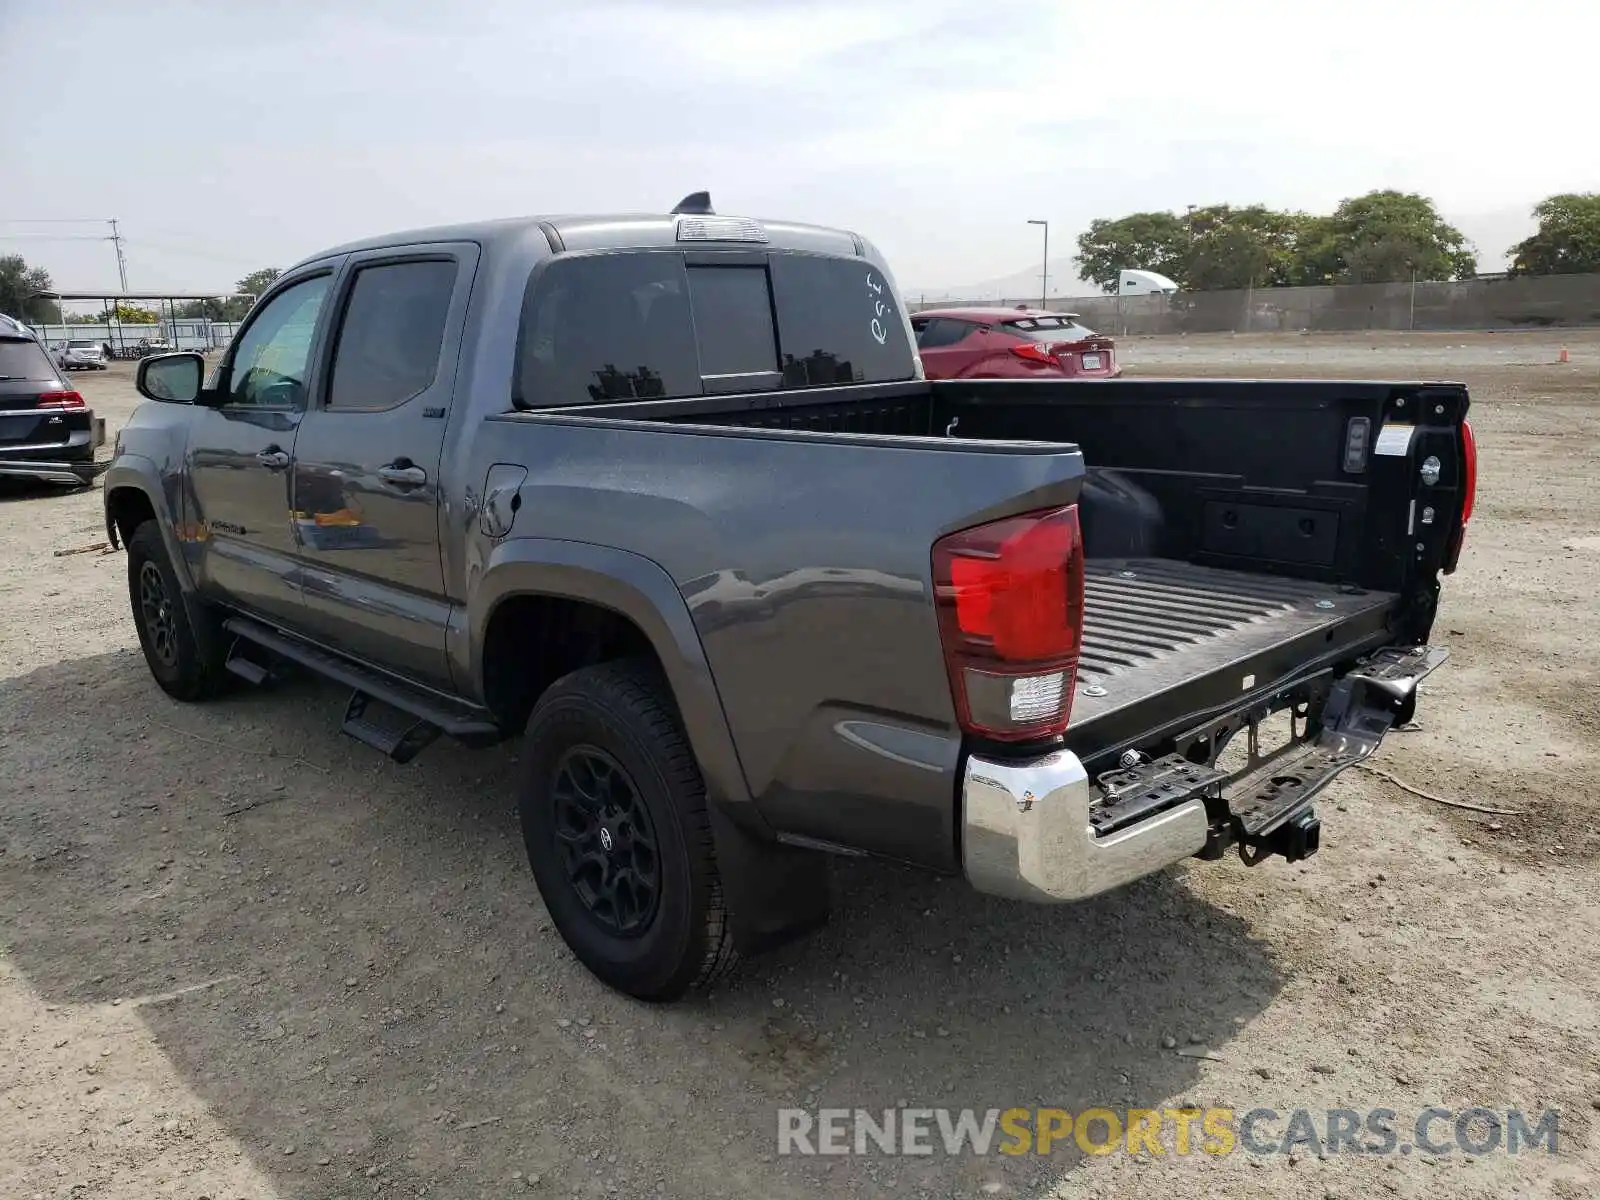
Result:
[1028,836]
[1041,830]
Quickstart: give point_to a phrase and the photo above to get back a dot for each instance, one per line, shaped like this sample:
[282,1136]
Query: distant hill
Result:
[1019,285]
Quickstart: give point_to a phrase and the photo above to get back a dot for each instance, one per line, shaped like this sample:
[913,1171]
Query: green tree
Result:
[254,284]
[212,310]
[1567,241]
[1383,237]
[1239,248]
[235,307]
[128,314]
[1149,241]
[258,281]
[1377,238]
[18,284]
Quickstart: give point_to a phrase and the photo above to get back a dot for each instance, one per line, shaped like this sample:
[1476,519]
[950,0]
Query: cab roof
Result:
[618,231]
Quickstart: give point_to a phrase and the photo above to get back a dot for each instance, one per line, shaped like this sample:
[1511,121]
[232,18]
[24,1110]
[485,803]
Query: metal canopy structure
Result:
[110,301]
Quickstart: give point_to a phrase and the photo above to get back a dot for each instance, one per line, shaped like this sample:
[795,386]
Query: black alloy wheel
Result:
[606,840]
[155,609]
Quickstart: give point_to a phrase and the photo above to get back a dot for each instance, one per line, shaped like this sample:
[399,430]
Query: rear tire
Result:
[186,660]
[614,819]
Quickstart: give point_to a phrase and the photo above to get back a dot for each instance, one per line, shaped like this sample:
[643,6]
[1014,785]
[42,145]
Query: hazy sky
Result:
[227,136]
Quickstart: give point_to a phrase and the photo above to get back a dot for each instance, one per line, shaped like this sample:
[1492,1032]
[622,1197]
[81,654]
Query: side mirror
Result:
[171,378]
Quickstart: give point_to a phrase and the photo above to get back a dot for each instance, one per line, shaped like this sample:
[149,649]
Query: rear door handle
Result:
[404,472]
[273,459]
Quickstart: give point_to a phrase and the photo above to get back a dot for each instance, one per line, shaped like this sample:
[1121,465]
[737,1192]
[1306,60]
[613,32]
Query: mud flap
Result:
[774,893]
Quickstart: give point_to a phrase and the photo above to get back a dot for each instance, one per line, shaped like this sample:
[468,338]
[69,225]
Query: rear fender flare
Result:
[640,590]
[775,892]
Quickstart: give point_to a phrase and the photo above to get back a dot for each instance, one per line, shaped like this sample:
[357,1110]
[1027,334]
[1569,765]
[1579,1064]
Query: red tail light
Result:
[60,400]
[1036,352]
[1469,494]
[1010,602]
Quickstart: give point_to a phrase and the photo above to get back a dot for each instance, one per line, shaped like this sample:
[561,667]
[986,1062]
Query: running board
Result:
[385,713]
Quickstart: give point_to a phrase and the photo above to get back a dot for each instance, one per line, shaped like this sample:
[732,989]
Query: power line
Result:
[116,239]
[197,253]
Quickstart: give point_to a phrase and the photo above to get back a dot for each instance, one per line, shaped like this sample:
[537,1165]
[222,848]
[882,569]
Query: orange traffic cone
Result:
[1563,356]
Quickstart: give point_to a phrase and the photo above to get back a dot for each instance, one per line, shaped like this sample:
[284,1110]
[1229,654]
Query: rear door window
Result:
[21,358]
[388,347]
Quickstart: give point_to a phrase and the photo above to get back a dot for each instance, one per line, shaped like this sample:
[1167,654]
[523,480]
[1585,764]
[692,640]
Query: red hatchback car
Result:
[1011,343]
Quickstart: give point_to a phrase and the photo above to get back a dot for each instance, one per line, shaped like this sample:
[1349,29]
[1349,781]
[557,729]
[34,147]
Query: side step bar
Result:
[390,731]
[384,713]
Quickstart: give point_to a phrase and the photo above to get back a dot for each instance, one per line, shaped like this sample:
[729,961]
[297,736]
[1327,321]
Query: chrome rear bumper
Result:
[1026,832]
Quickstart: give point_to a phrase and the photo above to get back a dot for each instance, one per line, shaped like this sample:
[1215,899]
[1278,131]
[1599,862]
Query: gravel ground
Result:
[242,956]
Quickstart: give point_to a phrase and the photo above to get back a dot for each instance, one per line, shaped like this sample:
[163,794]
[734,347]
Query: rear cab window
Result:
[644,324]
[22,359]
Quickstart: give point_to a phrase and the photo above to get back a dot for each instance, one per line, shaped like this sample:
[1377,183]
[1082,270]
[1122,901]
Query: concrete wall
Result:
[1550,300]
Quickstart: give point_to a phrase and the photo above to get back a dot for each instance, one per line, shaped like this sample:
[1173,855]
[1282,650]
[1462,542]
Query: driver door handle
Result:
[273,459]
[404,472]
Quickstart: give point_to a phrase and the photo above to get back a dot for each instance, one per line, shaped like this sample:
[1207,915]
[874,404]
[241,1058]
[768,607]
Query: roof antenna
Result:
[698,203]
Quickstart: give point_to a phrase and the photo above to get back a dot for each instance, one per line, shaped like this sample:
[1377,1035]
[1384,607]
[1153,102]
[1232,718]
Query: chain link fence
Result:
[1520,303]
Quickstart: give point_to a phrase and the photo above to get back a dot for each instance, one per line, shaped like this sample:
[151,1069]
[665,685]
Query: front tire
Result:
[614,819]
[188,662]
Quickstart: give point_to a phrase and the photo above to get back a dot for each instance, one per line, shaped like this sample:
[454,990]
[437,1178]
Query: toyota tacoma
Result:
[668,498]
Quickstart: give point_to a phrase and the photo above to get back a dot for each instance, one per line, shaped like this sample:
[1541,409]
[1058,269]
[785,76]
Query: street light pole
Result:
[1044,276]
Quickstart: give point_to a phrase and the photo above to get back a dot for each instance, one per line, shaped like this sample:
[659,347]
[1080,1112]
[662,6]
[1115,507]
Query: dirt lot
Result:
[242,956]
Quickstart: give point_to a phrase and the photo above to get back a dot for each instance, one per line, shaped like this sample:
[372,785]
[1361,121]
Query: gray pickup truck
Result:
[668,498]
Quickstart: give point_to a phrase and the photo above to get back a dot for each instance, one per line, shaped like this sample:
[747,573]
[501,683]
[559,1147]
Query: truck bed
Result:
[1164,637]
[1270,538]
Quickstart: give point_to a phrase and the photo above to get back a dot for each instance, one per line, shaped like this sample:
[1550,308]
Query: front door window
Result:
[273,354]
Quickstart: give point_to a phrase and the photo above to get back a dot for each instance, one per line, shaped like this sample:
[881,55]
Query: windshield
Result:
[21,358]
[80,345]
[1064,328]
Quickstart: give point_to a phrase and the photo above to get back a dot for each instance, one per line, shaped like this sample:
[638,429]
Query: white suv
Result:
[80,356]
